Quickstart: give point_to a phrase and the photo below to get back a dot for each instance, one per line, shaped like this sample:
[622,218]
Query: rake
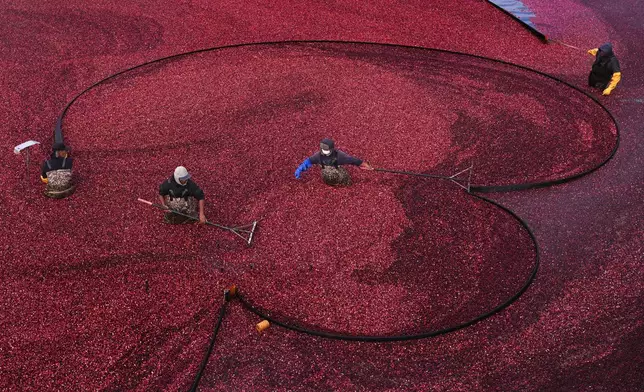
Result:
[463,183]
[244,232]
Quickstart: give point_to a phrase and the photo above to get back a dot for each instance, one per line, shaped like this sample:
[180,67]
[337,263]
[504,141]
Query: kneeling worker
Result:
[331,160]
[605,73]
[56,172]
[181,194]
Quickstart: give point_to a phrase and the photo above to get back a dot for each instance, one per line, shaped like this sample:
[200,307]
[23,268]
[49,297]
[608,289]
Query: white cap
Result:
[181,174]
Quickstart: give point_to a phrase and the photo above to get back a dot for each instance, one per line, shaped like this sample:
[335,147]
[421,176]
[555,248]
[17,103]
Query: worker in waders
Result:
[331,161]
[605,73]
[181,194]
[56,172]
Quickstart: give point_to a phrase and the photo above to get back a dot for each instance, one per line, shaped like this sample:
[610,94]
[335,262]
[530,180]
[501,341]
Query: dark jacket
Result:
[605,65]
[171,188]
[55,163]
[337,158]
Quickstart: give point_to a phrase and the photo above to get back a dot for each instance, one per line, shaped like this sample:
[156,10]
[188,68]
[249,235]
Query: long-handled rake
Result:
[244,232]
[463,183]
[565,44]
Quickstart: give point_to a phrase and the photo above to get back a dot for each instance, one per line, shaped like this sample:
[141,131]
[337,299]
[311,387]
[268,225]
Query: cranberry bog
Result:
[398,281]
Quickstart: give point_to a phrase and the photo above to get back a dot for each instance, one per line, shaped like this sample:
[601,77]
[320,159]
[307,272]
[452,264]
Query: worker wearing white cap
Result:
[181,194]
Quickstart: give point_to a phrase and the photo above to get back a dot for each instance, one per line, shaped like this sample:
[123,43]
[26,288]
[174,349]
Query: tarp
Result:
[519,12]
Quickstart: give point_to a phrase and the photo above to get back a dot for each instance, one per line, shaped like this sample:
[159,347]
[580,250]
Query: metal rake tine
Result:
[461,172]
[250,238]
[237,230]
[242,227]
[459,184]
[239,235]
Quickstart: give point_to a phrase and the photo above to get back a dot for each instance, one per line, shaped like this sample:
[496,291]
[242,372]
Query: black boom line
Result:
[58,137]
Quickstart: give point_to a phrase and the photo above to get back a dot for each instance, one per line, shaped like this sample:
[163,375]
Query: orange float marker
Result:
[230,293]
[262,325]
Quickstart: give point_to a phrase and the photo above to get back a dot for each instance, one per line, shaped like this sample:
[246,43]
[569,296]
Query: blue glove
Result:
[302,168]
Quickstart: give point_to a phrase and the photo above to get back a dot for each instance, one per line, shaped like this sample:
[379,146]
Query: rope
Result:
[58,137]
[291,325]
[58,129]
[204,362]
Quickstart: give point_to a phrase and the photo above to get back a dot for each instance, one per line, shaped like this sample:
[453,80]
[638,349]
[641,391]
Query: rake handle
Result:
[164,208]
[412,174]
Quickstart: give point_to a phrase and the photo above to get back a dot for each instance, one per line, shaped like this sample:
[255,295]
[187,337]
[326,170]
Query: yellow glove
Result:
[617,76]
[44,180]
[593,52]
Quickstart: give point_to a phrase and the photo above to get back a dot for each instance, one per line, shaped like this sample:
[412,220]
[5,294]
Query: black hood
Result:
[59,146]
[606,50]
[328,142]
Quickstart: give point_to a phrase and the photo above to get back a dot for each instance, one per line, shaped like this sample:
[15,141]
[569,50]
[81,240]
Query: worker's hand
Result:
[365,166]
[202,219]
[302,168]
[606,92]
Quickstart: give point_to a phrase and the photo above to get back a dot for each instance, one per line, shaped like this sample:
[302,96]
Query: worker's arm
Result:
[304,166]
[198,194]
[162,201]
[346,159]
[43,173]
[202,214]
[617,76]
[163,192]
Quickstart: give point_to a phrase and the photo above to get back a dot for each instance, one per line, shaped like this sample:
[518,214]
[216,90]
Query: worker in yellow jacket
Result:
[605,73]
